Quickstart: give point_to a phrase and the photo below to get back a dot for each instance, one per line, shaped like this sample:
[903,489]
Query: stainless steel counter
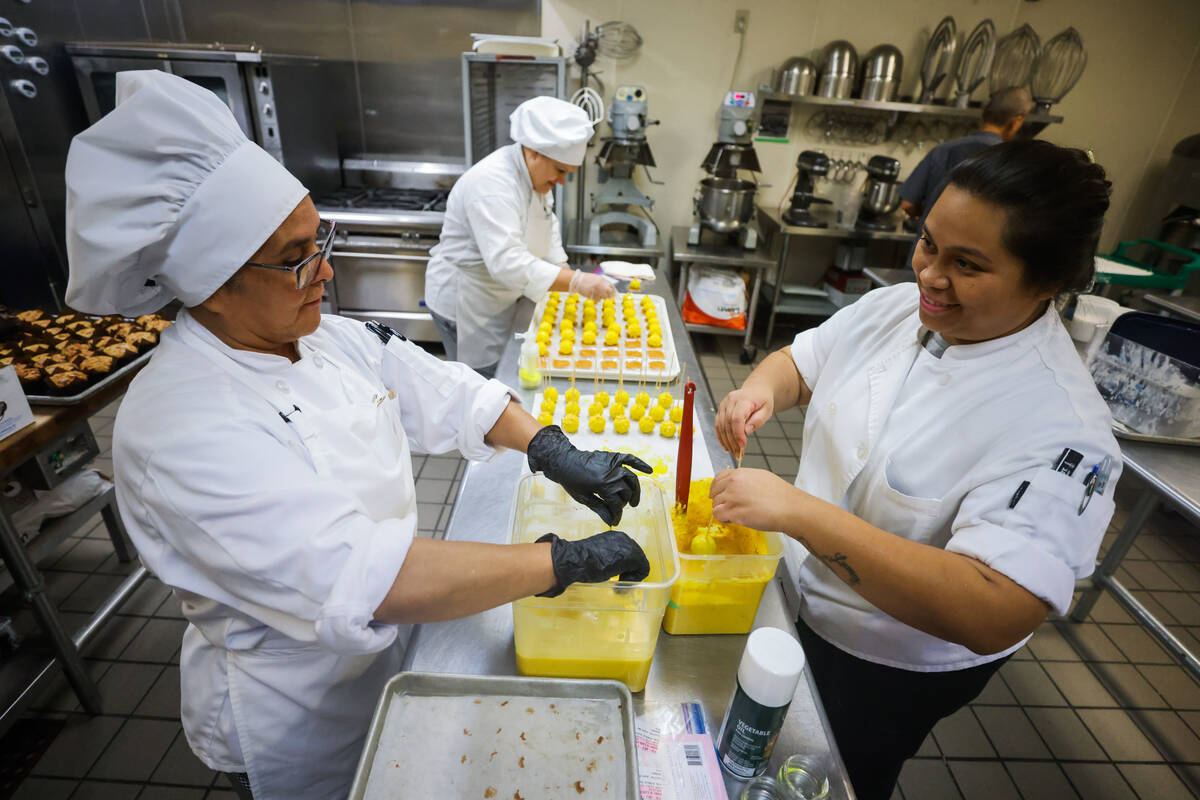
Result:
[685,668]
[1186,307]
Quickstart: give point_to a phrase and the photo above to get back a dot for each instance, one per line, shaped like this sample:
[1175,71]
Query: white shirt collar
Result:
[1025,337]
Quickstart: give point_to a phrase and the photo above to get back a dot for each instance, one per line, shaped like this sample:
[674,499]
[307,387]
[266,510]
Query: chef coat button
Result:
[832,408]
[862,451]
[283,387]
[318,362]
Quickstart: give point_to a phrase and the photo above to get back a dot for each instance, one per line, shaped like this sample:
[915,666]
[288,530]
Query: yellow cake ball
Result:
[589,337]
[596,424]
[635,285]
[642,399]
[610,337]
[550,394]
[621,425]
[646,425]
[667,429]
[564,347]
[571,408]
[676,414]
[637,411]
[665,399]
[654,340]
[548,405]
[657,413]
[621,397]
[571,395]
[595,410]
[616,412]
[543,349]
[602,398]
[545,418]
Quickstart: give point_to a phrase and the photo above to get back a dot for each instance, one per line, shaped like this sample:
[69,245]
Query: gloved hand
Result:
[592,286]
[598,479]
[595,559]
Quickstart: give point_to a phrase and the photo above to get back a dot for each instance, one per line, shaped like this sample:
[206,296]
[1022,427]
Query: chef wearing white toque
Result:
[262,457]
[501,240]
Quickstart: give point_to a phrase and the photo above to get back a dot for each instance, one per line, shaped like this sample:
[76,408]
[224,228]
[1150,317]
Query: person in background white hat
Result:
[501,240]
[262,457]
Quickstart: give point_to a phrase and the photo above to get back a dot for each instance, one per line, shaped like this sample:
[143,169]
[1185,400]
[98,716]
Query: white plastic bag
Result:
[69,495]
[715,297]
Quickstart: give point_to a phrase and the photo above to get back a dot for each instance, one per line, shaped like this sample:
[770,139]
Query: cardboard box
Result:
[15,412]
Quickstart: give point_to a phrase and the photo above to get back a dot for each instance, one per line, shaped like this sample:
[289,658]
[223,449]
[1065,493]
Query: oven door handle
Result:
[418,255]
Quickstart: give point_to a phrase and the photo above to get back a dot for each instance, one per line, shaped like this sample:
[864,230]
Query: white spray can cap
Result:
[771,666]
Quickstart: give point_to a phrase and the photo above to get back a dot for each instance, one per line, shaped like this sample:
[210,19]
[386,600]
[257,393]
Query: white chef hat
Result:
[166,198]
[552,127]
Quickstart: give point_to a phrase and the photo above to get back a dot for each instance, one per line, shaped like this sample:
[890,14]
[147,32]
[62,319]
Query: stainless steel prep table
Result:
[685,668]
[1186,307]
[1171,473]
[725,256]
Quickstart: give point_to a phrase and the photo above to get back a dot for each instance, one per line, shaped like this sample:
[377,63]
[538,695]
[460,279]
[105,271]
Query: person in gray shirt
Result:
[1002,118]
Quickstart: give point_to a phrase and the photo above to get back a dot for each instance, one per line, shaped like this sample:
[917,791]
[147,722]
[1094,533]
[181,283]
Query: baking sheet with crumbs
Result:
[501,747]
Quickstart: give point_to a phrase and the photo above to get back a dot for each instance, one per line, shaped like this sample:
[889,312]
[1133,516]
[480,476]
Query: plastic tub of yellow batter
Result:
[605,630]
[718,592]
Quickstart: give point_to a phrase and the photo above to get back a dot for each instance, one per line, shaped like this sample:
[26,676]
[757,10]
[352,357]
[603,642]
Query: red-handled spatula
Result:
[683,464]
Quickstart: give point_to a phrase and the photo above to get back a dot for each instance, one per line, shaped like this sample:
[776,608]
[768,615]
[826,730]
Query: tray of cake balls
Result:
[66,358]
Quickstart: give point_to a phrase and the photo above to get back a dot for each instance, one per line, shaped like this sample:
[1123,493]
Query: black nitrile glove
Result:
[595,560]
[596,478]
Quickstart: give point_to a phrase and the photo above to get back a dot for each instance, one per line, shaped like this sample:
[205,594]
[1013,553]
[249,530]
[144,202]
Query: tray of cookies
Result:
[62,359]
[618,338]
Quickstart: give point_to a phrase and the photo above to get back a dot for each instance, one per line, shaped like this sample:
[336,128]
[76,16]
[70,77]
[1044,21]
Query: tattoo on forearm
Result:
[836,562]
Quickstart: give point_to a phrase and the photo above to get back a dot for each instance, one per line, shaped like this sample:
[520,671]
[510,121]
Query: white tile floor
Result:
[1096,710]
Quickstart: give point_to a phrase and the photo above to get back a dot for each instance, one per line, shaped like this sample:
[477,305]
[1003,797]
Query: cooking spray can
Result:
[766,680]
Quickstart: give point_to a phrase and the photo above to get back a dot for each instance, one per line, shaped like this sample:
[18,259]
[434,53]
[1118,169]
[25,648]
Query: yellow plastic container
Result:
[605,630]
[720,593]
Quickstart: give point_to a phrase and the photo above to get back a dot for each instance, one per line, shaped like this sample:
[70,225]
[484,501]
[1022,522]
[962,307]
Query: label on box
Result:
[15,412]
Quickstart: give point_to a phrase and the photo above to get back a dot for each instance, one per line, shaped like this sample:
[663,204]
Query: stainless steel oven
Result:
[244,77]
[387,223]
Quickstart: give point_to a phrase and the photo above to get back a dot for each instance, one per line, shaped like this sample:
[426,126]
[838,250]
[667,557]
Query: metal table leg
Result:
[748,351]
[29,580]
[783,259]
[116,530]
[681,289]
[1116,554]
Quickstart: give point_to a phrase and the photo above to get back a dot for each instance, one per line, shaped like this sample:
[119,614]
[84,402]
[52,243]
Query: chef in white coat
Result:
[501,240]
[957,467]
[262,457]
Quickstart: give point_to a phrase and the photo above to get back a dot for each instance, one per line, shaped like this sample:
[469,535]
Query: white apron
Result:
[489,312]
[302,712]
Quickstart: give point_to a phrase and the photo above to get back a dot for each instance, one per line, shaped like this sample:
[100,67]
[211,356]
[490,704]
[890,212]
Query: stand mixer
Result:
[724,203]
[881,195]
[619,157]
[810,165]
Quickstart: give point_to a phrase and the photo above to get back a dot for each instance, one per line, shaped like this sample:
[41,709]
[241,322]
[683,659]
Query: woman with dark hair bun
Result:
[938,515]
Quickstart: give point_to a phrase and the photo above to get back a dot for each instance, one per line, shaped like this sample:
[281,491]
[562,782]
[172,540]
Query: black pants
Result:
[880,715]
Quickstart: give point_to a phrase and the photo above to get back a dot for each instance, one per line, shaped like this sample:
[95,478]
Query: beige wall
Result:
[1134,101]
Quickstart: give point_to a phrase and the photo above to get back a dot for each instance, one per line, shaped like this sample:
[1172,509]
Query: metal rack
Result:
[1035,121]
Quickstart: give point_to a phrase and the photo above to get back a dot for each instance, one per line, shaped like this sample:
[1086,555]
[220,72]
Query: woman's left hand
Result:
[755,498]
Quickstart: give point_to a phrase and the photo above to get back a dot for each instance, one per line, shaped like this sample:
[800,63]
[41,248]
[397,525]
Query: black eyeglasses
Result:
[308,268]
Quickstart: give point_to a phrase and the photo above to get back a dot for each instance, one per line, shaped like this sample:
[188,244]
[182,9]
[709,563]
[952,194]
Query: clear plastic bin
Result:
[720,593]
[1147,390]
[606,630]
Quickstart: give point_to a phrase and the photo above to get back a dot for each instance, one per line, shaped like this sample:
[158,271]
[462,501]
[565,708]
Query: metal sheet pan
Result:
[1123,431]
[419,684]
[72,399]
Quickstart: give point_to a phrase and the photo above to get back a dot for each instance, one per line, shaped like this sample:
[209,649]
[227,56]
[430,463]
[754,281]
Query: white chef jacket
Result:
[933,449]
[278,565]
[490,253]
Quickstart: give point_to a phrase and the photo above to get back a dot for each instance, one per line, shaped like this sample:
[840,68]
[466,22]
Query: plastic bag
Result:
[676,756]
[715,297]
[59,501]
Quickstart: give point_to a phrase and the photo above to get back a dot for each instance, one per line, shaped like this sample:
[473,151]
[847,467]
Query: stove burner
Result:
[385,198]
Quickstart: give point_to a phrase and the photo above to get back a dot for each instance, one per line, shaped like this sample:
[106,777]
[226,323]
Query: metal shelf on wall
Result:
[1035,122]
[855,104]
